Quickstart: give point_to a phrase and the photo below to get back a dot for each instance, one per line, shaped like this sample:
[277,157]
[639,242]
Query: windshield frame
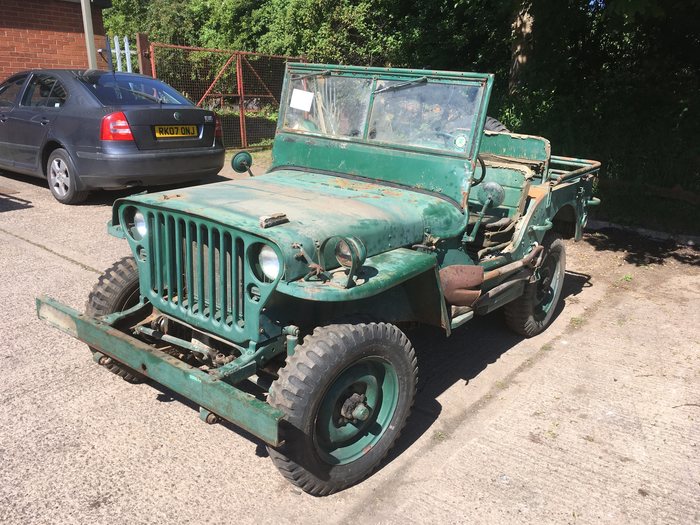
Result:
[413,79]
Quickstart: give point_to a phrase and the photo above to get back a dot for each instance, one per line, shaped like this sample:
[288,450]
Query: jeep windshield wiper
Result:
[323,73]
[403,85]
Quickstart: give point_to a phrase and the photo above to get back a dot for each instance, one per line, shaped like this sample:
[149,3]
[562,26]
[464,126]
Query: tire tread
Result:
[290,390]
[105,298]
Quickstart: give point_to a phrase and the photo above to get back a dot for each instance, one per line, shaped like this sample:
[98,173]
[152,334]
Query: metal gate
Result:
[243,88]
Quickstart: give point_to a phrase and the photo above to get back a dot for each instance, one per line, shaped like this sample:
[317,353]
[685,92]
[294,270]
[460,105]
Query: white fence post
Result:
[127,54]
[118,52]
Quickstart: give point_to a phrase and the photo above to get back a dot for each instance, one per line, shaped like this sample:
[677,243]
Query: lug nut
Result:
[361,412]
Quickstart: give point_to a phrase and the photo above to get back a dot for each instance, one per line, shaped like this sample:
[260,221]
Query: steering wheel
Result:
[476,182]
[457,138]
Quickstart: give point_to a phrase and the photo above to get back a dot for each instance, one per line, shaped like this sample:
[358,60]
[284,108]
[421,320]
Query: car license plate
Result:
[167,132]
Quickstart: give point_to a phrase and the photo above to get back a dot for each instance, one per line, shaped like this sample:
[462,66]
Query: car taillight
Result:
[115,127]
[218,132]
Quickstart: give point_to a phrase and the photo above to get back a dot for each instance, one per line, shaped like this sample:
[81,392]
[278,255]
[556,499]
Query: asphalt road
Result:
[595,421]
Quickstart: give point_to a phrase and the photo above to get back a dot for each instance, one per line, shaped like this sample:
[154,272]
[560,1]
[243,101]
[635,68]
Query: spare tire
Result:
[495,125]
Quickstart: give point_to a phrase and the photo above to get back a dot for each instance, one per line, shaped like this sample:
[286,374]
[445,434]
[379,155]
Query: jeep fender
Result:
[397,286]
[561,208]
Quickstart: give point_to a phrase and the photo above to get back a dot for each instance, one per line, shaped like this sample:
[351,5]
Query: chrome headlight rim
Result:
[269,263]
[136,224]
[140,225]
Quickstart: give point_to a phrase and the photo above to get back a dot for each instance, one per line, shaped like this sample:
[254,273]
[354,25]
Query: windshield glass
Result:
[430,115]
[118,90]
[329,105]
[420,112]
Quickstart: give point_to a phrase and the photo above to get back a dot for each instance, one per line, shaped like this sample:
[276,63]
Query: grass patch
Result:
[577,322]
[439,436]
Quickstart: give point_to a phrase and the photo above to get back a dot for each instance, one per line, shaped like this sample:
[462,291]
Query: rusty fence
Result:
[243,88]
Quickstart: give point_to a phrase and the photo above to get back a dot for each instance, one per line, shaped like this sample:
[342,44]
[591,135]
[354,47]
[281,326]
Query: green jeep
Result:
[277,302]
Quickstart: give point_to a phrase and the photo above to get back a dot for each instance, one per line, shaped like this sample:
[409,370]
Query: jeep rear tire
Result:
[532,312]
[346,394]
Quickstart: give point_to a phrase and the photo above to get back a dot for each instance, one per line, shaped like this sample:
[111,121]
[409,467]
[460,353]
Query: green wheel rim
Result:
[550,280]
[340,440]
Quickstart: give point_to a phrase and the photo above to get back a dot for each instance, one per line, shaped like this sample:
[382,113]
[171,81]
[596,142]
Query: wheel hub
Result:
[354,409]
[60,177]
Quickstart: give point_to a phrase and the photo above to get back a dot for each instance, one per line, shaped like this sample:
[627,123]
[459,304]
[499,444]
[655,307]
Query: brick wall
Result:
[46,34]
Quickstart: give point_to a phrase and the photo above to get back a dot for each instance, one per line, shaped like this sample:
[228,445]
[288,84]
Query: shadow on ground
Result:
[442,361]
[96,197]
[640,250]
[446,361]
[9,202]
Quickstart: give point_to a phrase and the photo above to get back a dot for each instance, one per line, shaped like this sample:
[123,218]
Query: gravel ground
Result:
[595,421]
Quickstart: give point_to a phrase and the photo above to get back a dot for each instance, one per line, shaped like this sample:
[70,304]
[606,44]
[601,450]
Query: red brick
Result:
[44,33]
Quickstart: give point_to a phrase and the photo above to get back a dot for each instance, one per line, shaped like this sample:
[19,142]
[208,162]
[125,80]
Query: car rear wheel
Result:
[63,178]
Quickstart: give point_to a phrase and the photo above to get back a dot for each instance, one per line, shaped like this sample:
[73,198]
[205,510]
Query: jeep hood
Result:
[317,206]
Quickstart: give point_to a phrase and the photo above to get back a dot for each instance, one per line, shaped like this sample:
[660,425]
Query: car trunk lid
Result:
[168,126]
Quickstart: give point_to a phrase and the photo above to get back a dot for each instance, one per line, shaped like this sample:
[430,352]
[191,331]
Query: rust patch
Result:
[459,283]
[537,192]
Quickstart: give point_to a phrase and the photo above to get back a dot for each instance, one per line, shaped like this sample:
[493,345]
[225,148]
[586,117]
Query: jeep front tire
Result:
[346,394]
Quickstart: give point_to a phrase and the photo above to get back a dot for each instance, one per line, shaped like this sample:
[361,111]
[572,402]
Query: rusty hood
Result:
[316,206]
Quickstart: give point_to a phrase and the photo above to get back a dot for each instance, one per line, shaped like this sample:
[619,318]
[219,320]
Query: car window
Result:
[10,89]
[118,90]
[44,91]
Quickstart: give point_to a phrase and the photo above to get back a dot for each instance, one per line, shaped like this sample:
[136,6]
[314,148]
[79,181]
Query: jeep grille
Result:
[198,272]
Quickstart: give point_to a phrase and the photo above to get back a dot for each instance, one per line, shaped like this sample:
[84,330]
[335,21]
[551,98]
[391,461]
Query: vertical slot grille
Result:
[196,268]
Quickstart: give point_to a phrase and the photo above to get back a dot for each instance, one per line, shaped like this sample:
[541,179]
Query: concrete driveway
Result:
[596,420]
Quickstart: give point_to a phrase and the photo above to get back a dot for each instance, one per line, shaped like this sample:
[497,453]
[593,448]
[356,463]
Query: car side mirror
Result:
[241,162]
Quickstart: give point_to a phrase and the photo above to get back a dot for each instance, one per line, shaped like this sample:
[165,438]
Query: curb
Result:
[689,240]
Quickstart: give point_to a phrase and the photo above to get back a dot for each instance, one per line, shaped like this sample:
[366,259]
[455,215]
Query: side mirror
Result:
[241,162]
[490,194]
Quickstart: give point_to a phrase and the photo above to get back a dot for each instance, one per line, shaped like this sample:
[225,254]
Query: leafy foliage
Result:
[615,80]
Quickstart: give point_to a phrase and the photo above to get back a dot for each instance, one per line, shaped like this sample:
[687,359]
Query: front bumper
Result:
[216,396]
[120,169]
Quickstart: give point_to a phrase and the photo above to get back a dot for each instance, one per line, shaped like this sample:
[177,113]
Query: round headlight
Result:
[140,224]
[269,262]
[343,254]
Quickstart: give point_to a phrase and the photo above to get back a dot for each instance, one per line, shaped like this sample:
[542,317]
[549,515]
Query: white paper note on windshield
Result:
[301,99]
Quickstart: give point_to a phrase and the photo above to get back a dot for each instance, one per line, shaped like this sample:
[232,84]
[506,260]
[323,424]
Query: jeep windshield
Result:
[421,112]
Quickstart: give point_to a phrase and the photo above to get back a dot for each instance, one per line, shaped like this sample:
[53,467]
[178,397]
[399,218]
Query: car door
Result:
[9,96]
[39,107]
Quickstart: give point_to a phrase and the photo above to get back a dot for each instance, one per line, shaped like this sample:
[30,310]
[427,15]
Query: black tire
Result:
[492,124]
[532,312]
[317,382]
[63,178]
[116,290]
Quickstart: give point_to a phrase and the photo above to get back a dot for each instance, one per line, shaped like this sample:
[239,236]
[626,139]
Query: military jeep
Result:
[278,302]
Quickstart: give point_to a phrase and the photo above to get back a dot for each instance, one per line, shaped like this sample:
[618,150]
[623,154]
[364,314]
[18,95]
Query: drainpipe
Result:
[89,34]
